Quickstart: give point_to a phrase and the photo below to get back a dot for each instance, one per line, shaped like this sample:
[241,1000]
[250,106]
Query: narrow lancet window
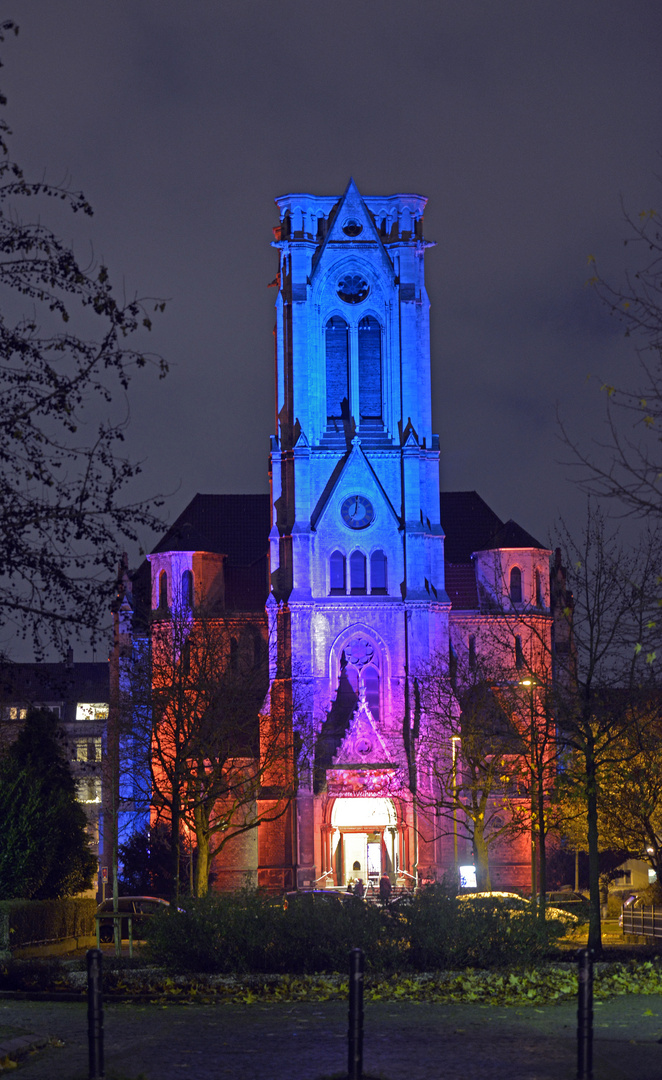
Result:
[370,677]
[539,596]
[516,585]
[519,653]
[378,573]
[187,589]
[337,573]
[357,572]
[163,591]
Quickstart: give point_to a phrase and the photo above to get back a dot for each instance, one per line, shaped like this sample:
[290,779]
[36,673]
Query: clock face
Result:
[357,512]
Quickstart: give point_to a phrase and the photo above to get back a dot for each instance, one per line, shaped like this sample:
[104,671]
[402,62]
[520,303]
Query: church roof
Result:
[468,522]
[236,526]
[233,525]
[512,535]
[470,525]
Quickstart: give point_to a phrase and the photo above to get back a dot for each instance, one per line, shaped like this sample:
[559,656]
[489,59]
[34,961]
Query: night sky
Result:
[523,123]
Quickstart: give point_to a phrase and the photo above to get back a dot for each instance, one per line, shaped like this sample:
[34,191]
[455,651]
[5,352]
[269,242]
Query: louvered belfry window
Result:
[337,369]
[370,369]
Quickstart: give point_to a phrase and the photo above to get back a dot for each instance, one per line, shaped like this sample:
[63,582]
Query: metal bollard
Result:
[95,1014]
[585,1015]
[355,1033]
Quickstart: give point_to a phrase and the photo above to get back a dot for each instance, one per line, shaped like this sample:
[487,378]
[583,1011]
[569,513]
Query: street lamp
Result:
[530,682]
[455,743]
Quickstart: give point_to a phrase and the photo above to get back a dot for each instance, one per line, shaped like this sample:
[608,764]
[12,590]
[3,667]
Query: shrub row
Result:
[252,933]
[31,922]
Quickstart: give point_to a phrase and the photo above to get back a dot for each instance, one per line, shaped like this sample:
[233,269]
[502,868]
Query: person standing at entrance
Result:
[384,888]
[359,889]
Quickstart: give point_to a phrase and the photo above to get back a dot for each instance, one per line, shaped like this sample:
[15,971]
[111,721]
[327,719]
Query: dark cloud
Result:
[522,123]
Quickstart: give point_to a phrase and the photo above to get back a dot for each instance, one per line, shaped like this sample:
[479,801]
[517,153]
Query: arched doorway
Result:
[364,839]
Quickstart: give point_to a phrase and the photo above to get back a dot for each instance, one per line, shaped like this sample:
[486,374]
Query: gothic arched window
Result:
[163,591]
[370,369]
[187,589]
[360,674]
[539,596]
[357,577]
[337,573]
[378,572]
[516,585]
[337,369]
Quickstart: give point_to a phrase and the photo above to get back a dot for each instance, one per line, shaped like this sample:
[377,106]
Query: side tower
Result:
[357,598]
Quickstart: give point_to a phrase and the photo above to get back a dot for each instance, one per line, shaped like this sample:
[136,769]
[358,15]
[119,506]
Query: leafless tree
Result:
[66,361]
[220,764]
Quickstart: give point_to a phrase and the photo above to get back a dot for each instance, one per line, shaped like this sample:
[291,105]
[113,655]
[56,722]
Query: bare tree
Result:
[66,361]
[473,756]
[627,467]
[219,766]
[606,668]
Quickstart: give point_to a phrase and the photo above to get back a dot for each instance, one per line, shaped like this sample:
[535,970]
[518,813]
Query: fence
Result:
[643,921]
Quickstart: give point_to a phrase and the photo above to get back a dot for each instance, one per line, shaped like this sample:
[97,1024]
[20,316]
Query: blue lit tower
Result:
[357,596]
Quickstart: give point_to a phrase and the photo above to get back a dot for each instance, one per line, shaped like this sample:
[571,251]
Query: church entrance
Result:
[364,840]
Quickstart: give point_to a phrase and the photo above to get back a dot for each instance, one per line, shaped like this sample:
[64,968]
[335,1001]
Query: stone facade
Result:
[361,596]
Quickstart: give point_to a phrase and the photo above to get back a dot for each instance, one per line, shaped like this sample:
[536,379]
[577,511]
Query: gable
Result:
[354,476]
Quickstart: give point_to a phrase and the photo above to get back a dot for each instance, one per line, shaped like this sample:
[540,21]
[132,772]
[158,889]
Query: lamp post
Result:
[530,682]
[455,742]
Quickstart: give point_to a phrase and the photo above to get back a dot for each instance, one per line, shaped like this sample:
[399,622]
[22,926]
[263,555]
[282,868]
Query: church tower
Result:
[357,599]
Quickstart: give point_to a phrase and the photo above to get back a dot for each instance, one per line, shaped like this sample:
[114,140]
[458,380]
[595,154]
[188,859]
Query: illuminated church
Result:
[354,570]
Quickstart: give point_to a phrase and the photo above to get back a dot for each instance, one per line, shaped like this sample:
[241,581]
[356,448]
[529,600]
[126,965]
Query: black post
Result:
[585,1015]
[355,1033]
[95,1014]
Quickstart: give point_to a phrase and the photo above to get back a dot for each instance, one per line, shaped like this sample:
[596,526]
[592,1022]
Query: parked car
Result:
[516,904]
[139,907]
[312,896]
[574,902]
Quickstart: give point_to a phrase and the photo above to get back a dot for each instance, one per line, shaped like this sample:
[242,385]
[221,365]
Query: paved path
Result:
[404,1041]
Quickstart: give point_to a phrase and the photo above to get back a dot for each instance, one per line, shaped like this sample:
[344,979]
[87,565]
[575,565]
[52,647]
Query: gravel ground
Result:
[404,1041]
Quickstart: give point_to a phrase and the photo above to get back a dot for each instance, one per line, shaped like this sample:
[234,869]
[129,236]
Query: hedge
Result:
[36,922]
[249,932]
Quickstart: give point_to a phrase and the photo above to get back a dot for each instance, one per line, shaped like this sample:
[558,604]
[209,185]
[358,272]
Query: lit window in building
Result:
[85,711]
[378,572]
[357,568]
[337,369]
[187,589]
[89,790]
[17,712]
[337,573]
[87,749]
[516,585]
[370,369]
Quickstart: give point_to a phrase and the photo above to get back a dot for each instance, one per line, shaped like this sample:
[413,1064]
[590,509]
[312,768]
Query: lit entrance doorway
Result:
[364,842]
